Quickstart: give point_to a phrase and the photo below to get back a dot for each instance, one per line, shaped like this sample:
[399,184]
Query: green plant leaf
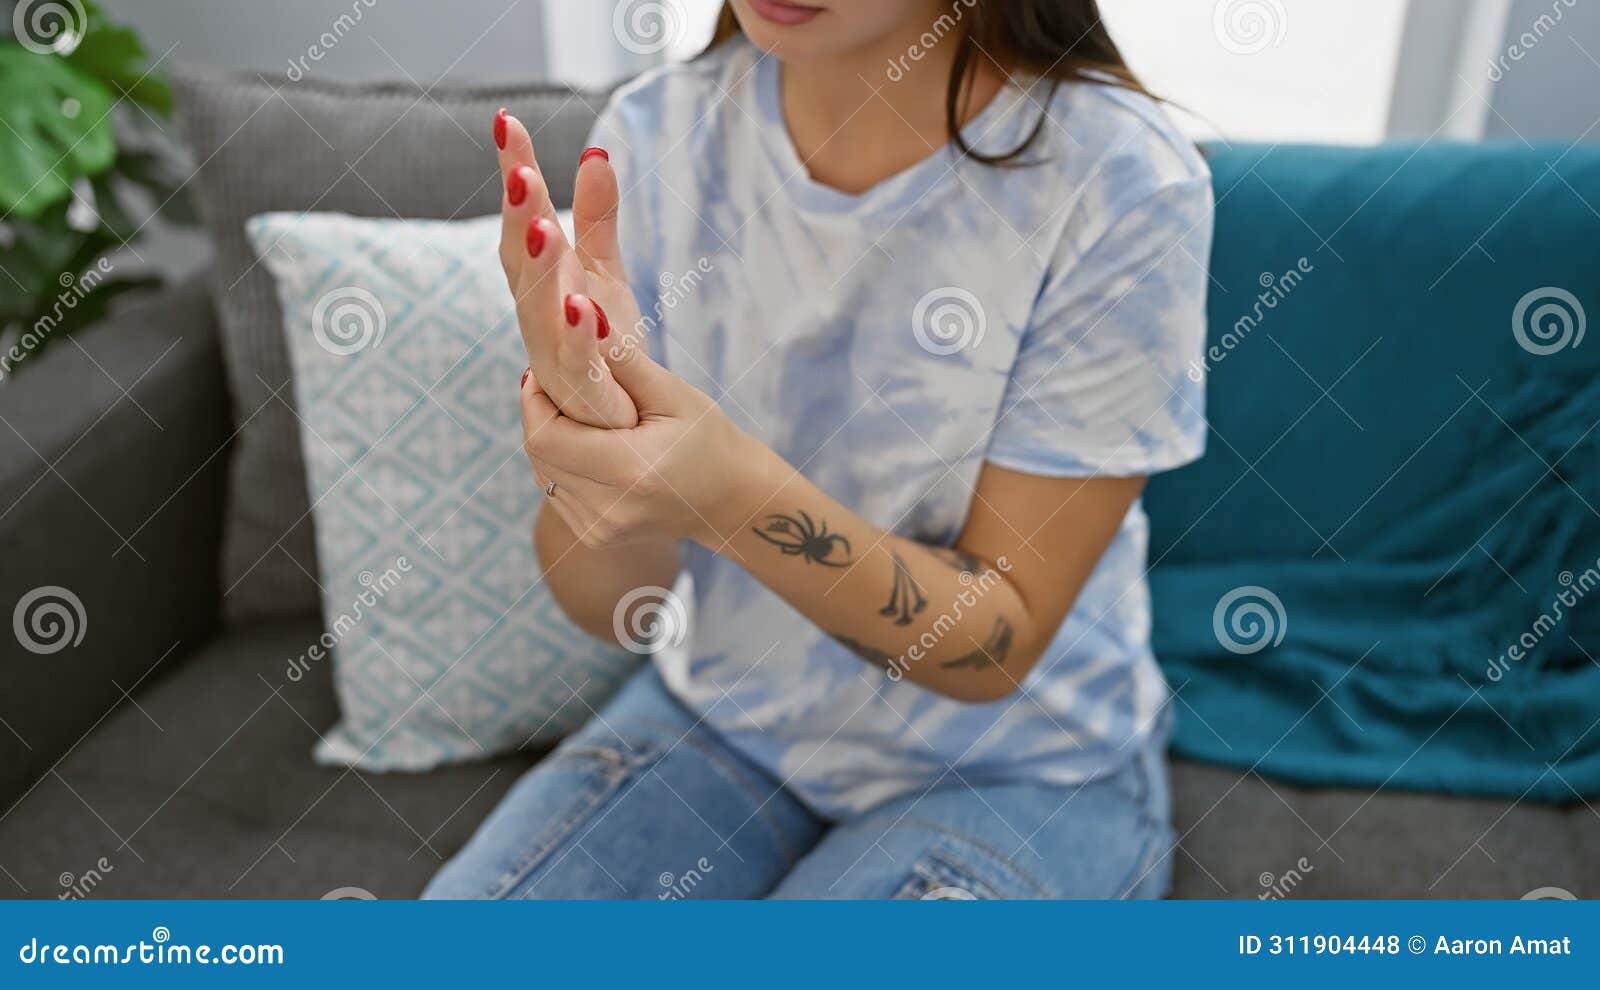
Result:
[114,55]
[60,130]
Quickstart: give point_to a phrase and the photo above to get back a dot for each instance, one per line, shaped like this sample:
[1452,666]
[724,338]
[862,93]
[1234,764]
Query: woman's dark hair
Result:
[1058,40]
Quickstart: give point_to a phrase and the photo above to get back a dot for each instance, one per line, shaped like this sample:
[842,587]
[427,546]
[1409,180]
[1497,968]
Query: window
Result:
[1267,70]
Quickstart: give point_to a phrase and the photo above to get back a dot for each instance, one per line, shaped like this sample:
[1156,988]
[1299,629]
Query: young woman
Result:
[922,280]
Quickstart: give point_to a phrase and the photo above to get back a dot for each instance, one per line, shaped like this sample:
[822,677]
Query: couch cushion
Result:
[446,645]
[383,151]
[204,788]
[1244,837]
[1398,504]
[110,518]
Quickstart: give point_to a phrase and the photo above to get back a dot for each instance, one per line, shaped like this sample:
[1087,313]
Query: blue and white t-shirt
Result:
[887,344]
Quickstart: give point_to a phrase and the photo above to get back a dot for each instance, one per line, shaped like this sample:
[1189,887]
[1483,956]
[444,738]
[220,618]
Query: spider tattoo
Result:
[800,536]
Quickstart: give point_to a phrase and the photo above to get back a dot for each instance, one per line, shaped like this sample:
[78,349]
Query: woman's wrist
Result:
[752,473]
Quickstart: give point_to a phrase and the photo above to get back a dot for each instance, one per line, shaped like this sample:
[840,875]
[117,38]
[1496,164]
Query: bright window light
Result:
[1247,70]
[1267,70]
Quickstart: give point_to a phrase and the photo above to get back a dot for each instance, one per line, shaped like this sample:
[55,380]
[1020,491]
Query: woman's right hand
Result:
[566,296]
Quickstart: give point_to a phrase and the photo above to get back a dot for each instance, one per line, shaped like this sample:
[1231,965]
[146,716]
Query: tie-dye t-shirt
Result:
[1046,319]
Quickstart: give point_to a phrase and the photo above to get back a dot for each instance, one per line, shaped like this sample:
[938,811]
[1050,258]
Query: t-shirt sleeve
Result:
[1104,380]
[625,137]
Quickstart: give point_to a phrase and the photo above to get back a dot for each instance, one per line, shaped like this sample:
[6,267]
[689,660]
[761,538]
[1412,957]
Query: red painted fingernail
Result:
[574,314]
[500,128]
[525,373]
[604,330]
[517,186]
[535,237]
[589,153]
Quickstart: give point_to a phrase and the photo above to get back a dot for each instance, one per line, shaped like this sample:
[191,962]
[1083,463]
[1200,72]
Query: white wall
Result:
[1549,72]
[463,40]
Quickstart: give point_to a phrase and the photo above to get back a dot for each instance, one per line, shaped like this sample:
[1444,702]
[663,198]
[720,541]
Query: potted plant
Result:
[72,164]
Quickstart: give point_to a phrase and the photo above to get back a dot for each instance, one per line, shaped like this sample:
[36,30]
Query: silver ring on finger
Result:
[550,490]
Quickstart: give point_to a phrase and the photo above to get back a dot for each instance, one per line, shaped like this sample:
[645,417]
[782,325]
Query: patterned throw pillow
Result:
[405,357]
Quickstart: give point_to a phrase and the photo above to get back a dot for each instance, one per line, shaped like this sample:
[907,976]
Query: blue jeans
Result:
[647,802]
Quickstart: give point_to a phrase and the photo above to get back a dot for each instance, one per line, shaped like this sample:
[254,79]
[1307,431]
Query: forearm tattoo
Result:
[990,653]
[959,559]
[905,597]
[871,654]
[799,536]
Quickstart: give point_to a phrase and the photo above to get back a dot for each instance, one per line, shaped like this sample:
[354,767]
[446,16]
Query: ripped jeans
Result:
[644,802]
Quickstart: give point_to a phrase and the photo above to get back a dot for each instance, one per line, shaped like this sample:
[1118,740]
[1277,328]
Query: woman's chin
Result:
[796,45]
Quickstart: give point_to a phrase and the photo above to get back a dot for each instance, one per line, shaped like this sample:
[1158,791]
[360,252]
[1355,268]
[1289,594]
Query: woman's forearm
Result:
[588,583]
[943,618]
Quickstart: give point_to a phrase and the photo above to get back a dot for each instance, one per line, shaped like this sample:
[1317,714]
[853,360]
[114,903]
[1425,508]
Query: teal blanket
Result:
[1386,571]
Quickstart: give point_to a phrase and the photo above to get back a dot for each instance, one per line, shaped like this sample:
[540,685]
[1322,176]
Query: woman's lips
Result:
[787,14]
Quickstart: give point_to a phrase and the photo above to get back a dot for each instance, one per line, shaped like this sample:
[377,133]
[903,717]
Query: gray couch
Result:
[159,757]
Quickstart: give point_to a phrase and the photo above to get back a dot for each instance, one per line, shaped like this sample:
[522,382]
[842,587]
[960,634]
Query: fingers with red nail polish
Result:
[595,198]
[517,210]
[537,237]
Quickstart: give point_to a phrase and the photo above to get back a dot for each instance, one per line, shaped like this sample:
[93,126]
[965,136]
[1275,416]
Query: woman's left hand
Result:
[674,476]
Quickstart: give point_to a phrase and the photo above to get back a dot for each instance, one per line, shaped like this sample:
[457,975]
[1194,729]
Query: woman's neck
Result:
[861,118]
